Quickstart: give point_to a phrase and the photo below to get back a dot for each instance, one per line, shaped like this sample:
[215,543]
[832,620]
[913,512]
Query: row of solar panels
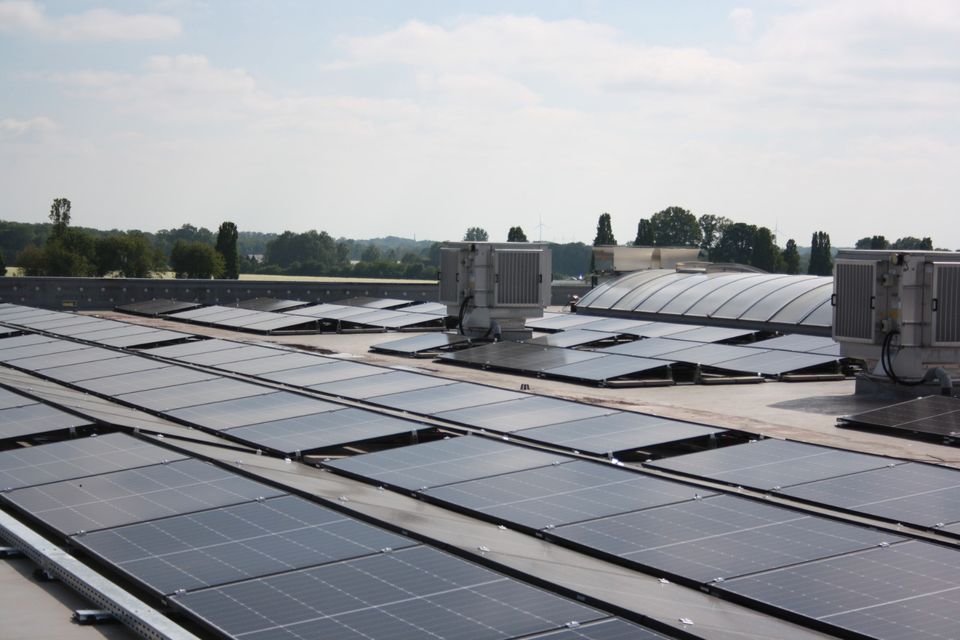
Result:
[288,422]
[264,315]
[22,416]
[850,579]
[248,560]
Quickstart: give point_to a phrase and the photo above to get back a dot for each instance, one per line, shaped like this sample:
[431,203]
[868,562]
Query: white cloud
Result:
[26,16]
[13,129]
[743,22]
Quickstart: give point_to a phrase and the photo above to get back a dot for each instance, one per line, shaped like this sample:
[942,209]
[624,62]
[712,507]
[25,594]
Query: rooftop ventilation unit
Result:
[494,287]
[900,312]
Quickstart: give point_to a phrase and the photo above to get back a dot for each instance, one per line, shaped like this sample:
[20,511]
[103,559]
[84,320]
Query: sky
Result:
[420,119]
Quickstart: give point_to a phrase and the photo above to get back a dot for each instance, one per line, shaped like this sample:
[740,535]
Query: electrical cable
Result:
[463,309]
[886,361]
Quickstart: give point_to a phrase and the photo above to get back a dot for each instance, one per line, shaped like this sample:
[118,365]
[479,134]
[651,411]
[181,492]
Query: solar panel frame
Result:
[523,413]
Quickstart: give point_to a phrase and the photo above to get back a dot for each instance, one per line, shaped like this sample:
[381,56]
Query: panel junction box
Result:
[899,311]
[493,287]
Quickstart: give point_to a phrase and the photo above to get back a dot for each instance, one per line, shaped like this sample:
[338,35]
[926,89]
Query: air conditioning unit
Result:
[493,287]
[899,311]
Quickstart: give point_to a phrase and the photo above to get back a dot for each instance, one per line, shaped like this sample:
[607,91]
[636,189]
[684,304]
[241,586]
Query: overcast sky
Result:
[419,118]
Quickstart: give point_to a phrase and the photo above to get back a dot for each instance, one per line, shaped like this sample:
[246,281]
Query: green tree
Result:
[909,242]
[711,227]
[675,227]
[604,231]
[476,234]
[71,254]
[60,216]
[227,248]
[31,260]
[872,242]
[736,244]
[371,254]
[645,236]
[516,234]
[129,255]
[766,254]
[191,259]
[791,258]
[313,251]
[821,259]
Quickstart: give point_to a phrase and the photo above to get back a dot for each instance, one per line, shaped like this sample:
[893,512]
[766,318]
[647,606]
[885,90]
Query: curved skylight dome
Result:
[776,301]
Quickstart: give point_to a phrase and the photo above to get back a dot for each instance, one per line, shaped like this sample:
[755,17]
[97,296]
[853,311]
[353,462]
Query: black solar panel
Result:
[908,591]
[648,347]
[772,463]
[607,367]
[936,415]
[445,398]
[77,356]
[385,383]
[101,368]
[795,342]
[563,493]
[710,334]
[612,629]
[776,362]
[107,328]
[517,356]
[328,371]
[235,543]
[412,593]
[270,304]
[150,339]
[420,343]
[10,353]
[523,413]
[324,430]
[280,362]
[442,462]
[34,419]
[253,410]
[135,495]
[9,399]
[719,537]
[166,376]
[572,338]
[914,493]
[373,303]
[156,307]
[217,358]
[619,431]
[192,348]
[58,461]
[194,393]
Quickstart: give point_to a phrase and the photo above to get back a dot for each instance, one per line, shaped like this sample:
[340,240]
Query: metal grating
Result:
[946,304]
[449,275]
[518,278]
[854,293]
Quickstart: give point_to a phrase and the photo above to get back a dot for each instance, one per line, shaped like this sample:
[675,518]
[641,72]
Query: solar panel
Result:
[442,462]
[608,367]
[523,413]
[445,398]
[776,362]
[77,356]
[421,343]
[192,348]
[315,311]
[659,329]
[562,493]
[187,395]
[719,537]
[135,495]
[238,542]
[30,466]
[252,410]
[908,591]
[329,371]
[433,308]
[647,348]
[920,494]
[936,415]
[156,307]
[46,347]
[772,463]
[619,431]
[405,319]
[380,384]
[373,303]
[270,304]
[711,334]
[144,339]
[411,593]
[34,419]
[613,325]
[612,629]
[62,320]
[559,322]
[710,354]
[269,322]
[242,352]
[280,362]
[144,380]
[100,327]
[572,338]
[323,430]
[10,399]
[517,356]
[795,342]
[100,368]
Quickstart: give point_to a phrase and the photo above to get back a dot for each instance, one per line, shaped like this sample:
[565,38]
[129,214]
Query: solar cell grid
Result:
[572,338]
[144,339]
[938,415]
[193,393]
[242,352]
[404,319]
[445,398]
[135,495]
[776,362]
[607,367]
[647,347]
[794,342]
[238,542]
[156,307]
[518,356]
[419,343]
[615,432]
[11,354]
[98,369]
[62,320]
[323,430]
[10,399]
[523,413]
[34,419]
[97,327]
[58,461]
[720,537]
[328,371]
[711,334]
[144,380]
[380,384]
[416,592]
[920,494]
[563,493]
[193,347]
[252,410]
[772,463]
[443,462]
[709,354]
[280,362]
[906,591]
[57,360]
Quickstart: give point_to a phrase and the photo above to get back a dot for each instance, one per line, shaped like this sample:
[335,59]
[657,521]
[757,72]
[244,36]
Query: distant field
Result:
[15,271]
